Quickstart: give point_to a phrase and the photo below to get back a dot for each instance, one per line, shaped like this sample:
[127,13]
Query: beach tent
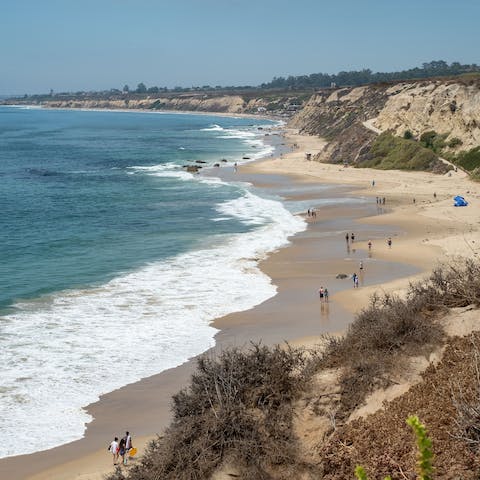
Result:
[460,201]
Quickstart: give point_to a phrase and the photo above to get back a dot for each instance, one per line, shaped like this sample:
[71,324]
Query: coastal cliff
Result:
[200,103]
[283,103]
[351,118]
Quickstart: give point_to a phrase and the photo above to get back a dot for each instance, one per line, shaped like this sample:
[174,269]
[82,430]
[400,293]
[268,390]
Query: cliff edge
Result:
[351,118]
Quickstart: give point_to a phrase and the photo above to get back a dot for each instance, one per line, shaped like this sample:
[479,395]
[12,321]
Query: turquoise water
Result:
[108,246]
[74,210]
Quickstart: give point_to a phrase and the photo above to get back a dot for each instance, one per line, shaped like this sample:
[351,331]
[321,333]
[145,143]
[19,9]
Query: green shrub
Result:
[475,175]
[469,160]
[424,445]
[426,138]
[433,140]
[390,152]
[454,142]
[408,135]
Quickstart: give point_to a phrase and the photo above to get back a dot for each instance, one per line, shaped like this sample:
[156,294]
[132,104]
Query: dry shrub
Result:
[238,409]
[467,401]
[366,353]
[382,442]
[391,324]
[456,284]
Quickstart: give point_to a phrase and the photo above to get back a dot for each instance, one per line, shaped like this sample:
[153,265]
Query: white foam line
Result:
[74,346]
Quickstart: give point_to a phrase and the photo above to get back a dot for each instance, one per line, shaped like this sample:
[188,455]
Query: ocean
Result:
[114,260]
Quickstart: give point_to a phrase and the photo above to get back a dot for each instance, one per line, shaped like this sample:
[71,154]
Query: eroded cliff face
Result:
[447,107]
[451,109]
[222,104]
[283,104]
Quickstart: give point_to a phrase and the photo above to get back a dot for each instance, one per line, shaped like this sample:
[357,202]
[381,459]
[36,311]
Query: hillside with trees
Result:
[438,68]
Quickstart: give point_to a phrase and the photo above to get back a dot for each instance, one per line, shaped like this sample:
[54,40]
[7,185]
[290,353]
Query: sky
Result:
[73,45]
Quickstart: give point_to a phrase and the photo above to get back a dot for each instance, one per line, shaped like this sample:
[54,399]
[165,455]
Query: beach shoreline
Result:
[253,116]
[294,271]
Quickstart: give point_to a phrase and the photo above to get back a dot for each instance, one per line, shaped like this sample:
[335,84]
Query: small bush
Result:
[451,285]
[433,140]
[427,138]
[408,135]
[454,142]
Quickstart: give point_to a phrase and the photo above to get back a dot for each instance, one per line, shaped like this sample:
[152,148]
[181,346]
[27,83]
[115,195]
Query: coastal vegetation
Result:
[424,444]
[432,69]
[468,160]
[240,413]
[390,152]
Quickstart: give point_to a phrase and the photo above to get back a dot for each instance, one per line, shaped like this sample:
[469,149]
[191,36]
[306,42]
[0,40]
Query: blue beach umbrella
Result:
[459,201]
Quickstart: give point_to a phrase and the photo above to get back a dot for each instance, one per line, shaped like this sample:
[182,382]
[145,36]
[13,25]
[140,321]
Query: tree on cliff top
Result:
[141,88]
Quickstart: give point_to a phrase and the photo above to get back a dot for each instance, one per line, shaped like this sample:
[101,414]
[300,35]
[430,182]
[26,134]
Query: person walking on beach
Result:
[114,449]
[389,242]
[128,441]
[321,294]
[128,446]
[121,450]
[352,236]
[325,295]
[347,238]
[354,278]
[361,266]
[369,245]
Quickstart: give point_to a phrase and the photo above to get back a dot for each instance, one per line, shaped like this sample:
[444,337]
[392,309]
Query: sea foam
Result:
[63,351]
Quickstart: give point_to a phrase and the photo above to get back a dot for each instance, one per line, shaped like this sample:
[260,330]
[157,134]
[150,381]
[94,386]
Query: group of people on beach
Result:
[351,238]
[323,294]
[311,213]
[122,448]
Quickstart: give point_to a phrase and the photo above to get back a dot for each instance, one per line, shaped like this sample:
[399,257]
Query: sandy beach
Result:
[418,215]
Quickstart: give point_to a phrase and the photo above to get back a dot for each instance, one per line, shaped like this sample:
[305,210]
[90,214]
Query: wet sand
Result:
[314,258]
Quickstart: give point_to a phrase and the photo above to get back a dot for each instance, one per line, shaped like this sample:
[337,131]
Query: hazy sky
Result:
[71,45]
